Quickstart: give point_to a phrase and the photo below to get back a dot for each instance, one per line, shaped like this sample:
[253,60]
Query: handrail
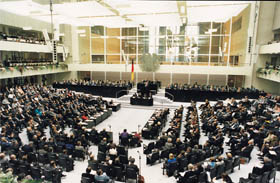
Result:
[121,91]
[172,96]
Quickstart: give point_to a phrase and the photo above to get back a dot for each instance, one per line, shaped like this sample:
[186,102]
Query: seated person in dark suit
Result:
[268,166]
[246,151]
[52,167]
[190,172]
[88,174]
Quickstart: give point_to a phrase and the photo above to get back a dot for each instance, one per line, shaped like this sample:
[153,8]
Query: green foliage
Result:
[32,181]
[7,178]
[149,63]
[260,70]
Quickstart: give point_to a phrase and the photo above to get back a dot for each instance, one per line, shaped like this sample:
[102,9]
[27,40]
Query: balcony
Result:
[192,69]
[21,71]
[273,48]
[269,74]
[29,47]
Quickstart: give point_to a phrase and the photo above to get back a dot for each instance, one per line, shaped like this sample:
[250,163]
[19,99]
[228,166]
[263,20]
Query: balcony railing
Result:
[273,48]
[269,74]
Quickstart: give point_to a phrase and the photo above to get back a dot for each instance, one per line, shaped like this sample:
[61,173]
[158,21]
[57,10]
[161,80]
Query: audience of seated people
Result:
[272,67]
[21,38]
[121,83]
[148,87]
[220,120]
[19,61]
[140,95]
[168,142]
[155,124]
[130,140]
[37,107]
[186,92]
[208,88]
[247,124]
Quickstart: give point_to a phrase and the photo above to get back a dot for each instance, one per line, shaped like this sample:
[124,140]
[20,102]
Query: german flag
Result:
[132,70]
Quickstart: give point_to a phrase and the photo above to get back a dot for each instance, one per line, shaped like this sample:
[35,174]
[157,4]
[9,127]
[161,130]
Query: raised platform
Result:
[159,98]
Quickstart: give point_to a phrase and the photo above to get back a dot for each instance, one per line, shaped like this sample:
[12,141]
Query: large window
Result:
[197,43]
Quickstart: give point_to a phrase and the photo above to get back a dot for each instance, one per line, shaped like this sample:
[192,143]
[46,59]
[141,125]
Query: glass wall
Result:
[197,44]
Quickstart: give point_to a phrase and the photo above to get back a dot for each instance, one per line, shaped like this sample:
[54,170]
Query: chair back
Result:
[213,172]
[93,165]
[123,159]
[121,150]
[164,154]
[183,164]
[243,180]
[171,168]
[192,179]
[48,175]
[203,177]
[151,146]
[23,169]
[220,170]
[155,157]
[35,173]
[257,179]
[272,175]
[86,180]
[236,162]
[117,172]
[130,173]
[102,148]
[265,177]
[228,165]
[101,156]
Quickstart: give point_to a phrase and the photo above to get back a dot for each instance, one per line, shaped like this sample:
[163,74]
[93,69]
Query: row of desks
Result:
[105,91]
[197,95]
[98,118]
[141,101]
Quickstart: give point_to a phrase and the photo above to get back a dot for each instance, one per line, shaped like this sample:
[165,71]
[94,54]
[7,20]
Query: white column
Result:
[210,44]
[229,42]
[226,80]
[75,45]
[90,46]
[105,46]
